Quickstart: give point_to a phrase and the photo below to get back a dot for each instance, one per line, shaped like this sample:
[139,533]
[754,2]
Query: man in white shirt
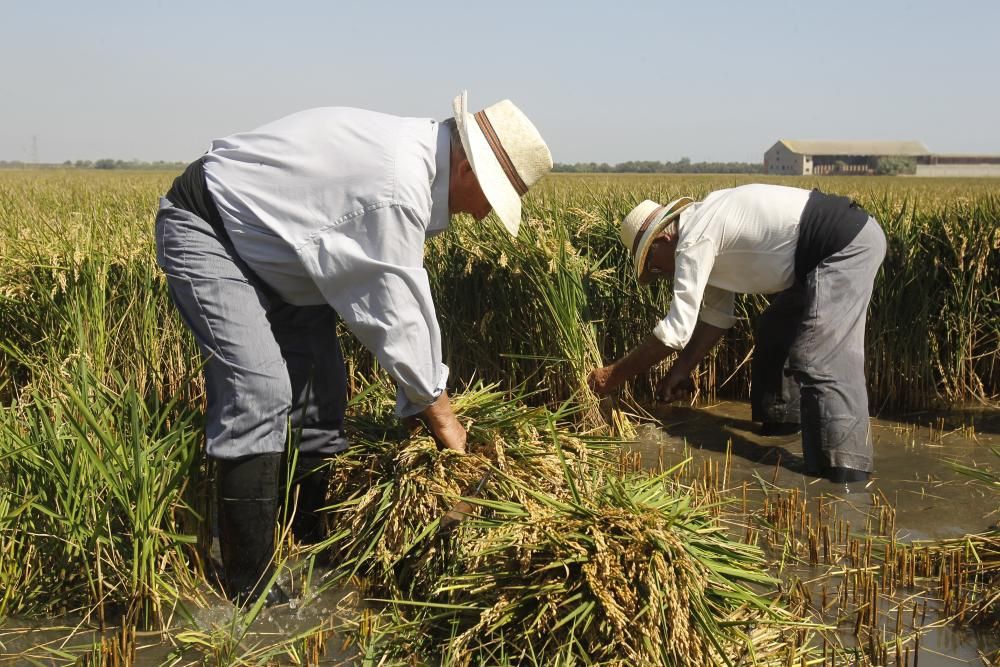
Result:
[272,236]
[818,255]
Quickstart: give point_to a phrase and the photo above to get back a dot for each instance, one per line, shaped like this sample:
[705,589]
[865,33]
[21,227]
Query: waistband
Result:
[190,193]
[827,225]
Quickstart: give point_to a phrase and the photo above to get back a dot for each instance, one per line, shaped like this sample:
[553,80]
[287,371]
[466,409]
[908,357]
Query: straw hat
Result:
[506,152]
[644,223]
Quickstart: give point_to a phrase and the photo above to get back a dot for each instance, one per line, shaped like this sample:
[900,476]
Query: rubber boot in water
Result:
[310,481]
[839,475]
[248,512]
[769,429]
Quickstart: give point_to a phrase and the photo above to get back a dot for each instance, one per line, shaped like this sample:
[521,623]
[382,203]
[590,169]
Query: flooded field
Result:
[309,630]
[931,500]
[926,498]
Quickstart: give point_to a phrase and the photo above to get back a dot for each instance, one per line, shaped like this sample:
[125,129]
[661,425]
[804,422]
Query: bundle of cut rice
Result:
[625,571]
[562,560]
[389,498]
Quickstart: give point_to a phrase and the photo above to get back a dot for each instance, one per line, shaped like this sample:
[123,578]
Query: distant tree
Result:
[893,165]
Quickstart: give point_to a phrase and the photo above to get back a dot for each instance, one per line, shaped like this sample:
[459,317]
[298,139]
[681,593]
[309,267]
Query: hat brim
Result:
[654,229]
[492,180]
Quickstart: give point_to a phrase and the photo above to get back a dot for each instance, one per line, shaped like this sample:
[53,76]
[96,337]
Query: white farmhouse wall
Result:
[779,160]
[970,170]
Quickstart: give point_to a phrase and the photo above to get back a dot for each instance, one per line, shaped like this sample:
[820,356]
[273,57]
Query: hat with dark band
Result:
[506,152]
[644,223]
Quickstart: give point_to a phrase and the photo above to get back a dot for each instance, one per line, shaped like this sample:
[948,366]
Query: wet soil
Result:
[932,500]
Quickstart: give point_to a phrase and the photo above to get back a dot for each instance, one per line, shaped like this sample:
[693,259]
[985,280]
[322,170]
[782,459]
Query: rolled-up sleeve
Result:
[692,268]
[717,307]
[380,289]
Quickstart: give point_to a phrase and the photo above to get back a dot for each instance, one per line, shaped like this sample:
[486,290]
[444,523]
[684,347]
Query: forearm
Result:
[440,418]
[641,359]
[439,412]
[703,339]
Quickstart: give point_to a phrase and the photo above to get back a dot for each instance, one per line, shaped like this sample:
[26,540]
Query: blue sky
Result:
[603,81]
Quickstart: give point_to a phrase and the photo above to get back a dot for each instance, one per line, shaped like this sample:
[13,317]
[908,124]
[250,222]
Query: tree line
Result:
[682,166]
[104,163]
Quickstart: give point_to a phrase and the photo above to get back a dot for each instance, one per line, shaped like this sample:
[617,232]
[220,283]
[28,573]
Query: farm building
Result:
[792,157]
[798,158]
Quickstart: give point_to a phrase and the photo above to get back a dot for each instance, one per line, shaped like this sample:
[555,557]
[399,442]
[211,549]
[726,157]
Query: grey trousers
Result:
[271,368]
[808,364]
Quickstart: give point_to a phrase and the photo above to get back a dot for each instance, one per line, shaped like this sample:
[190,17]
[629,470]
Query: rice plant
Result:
[97,516]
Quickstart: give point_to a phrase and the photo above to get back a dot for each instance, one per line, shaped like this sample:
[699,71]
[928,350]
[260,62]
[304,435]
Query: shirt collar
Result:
[440,217]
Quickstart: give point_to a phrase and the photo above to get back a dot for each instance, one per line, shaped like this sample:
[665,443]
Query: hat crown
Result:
[520,140]
[506,152]
[633,223]
[644,223]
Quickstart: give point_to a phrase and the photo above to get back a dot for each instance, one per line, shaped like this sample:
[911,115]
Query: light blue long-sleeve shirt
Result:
[333,205]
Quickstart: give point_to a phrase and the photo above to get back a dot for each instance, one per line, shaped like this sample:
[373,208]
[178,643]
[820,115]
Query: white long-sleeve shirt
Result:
[333,205]
[738,240]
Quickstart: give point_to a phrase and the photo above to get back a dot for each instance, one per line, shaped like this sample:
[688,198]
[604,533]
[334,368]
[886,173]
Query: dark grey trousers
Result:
[271,368]
[808,364]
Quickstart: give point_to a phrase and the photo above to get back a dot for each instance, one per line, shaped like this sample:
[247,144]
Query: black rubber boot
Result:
[248,513]
[779,428]
[310,481]
[845,475]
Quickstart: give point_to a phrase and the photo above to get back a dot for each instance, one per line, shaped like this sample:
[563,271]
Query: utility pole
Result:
[34,149]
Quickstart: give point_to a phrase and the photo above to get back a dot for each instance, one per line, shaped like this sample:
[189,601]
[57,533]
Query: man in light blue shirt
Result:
[276,232]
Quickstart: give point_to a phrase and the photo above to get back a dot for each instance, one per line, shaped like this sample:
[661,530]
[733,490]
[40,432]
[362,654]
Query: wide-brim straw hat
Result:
[644,223]
[506,152]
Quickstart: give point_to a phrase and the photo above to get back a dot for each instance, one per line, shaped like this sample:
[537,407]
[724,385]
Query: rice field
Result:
[574,553]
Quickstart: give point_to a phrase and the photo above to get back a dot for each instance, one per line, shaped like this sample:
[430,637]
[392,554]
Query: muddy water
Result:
[912,474]
[911,471]
[67,639]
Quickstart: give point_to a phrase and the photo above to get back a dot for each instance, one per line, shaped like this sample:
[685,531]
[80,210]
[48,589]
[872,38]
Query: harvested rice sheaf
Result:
[560,560]
[628,572]
[391,493]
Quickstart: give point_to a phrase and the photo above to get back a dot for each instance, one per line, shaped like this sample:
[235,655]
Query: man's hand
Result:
[442,422]
[602,381]
[644,356]
[451,435]
[674,386]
